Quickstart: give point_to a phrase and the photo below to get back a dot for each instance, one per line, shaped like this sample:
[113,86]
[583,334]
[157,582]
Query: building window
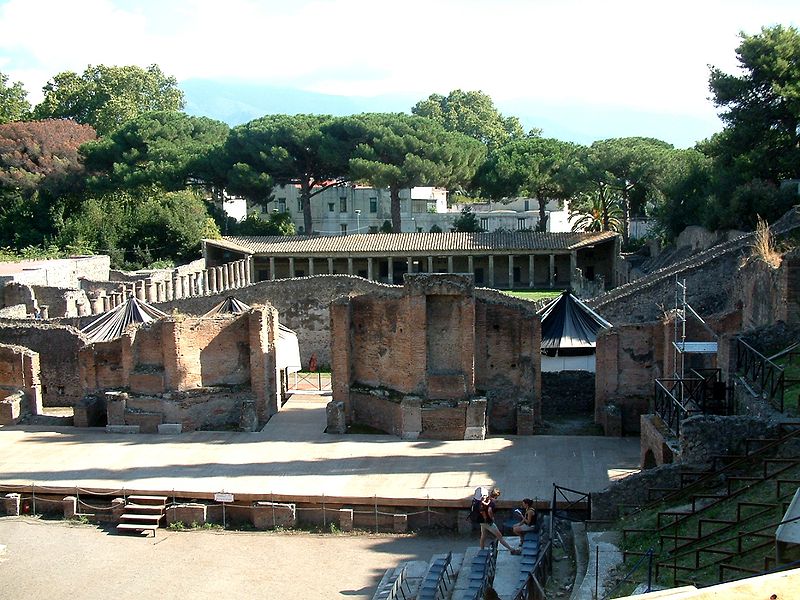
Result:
[300,205]
[343,227]
[484,223]
[527,204]
[343,204]
[373,205]
[282,205]
[520,222]
[331,207]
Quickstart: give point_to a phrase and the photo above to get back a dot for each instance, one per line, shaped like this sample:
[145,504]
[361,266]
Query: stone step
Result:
[145,508]
[137,527]
[145,499]
[141,517]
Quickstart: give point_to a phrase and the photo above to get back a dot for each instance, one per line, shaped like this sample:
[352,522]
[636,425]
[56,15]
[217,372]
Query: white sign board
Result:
[223,497]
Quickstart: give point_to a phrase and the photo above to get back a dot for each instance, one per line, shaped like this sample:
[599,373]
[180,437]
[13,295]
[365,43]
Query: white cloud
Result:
[614,53]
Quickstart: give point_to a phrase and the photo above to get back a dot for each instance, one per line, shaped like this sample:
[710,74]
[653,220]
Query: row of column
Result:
[450,259]
[213,280]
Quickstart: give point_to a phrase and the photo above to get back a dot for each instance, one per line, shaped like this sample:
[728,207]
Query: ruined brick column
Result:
[491,270]
[139,289]
[248,270]
[341,349]
[70,505]
[191,277]
[310,267]
[511,271]
[159,291]
[552,275]
[531,273]
[212,280]
[349,265]
[97,305]
[10,503]
[271,268]
[330,266]
[264,370]
[106,301]
[169,290]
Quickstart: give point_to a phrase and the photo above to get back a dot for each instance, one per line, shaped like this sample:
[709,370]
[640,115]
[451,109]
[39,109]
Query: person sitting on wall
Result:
[488,525]
[528,521]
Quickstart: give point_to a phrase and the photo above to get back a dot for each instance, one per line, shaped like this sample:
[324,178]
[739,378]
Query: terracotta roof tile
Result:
[411,243]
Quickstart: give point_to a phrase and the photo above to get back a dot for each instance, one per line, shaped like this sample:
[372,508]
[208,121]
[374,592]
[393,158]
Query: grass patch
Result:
[533,294]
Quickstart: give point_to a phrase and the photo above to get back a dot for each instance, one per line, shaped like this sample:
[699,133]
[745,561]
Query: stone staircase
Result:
[143,514]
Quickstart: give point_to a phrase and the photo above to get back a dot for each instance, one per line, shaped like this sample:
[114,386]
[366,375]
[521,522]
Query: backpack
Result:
[475,512]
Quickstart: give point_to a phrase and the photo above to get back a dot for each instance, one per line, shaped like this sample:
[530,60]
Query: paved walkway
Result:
[293,457]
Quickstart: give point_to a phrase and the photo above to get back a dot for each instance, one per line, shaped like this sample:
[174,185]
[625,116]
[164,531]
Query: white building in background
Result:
[360,209]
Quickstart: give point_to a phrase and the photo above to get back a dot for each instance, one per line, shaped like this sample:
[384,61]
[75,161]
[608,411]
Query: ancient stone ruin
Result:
[435,360]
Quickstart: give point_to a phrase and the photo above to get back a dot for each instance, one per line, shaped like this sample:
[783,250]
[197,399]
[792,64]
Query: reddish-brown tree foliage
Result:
[41,155]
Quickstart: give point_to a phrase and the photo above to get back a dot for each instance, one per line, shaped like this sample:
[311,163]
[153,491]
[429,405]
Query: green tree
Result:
[399,151]
[597,212]
[139,229]
[472,113]
[14,105]
[540,168]
[279,223]
[309,151]
[159,148]
[106,97]
[630,166]
[466,221]
[686,189]
[760,108]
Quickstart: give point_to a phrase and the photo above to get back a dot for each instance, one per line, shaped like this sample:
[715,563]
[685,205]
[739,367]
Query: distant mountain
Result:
[237,102]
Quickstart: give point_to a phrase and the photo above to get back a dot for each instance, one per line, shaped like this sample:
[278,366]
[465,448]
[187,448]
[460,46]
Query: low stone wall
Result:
[704,436]
[207,409]
[658,445]
[409,418]
[632,490]
[567,392]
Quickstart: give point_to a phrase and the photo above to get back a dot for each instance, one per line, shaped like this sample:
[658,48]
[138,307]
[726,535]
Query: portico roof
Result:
[506,242]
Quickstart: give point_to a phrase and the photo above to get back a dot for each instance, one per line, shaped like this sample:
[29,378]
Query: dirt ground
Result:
[57,559]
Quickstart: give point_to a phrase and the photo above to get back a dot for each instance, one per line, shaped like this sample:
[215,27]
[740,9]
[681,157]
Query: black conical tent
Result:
[567,323]
[113,323]
[229,306]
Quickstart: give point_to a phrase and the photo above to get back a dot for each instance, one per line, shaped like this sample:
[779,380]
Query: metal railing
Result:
[648,555]
[762,372]
[668,406]
[306,381]
[533,587]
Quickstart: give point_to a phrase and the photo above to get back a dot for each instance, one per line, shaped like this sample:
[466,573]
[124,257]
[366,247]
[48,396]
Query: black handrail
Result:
[649,556]
[761,371]
[533,587]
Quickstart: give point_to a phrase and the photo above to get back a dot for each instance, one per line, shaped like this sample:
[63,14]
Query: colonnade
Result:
[210,281]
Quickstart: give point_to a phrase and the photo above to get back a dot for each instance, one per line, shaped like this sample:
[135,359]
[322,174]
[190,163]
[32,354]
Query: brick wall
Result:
[19,372]
[58,348]
[567,392]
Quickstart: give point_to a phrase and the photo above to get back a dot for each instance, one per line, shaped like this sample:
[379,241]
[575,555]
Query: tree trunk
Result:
[542,226]
[625,212]
[394,194]
[305,201]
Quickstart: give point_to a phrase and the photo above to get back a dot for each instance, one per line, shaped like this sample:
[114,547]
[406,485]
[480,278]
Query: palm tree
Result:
[600,212]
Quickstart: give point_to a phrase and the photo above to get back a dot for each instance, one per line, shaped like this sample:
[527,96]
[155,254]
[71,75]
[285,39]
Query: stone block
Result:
[147,422]
[399,523]
[70,504]
[10,504]
[116,403]
[169,428]
[346,519]
[10,409]
[117,509]
[525,420]
[248,421]
[410,417]
[187,513]
[476,412]
[146,383]
[268,515]
[122,429]
[612,420]
[336,420]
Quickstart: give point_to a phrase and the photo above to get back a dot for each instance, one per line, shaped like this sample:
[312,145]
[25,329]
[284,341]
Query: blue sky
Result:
[579,69]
